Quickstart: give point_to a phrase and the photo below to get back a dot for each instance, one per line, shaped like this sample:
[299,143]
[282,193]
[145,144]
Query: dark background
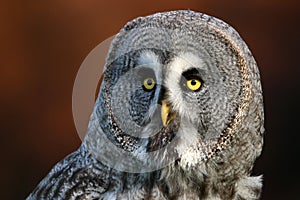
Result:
[43,44]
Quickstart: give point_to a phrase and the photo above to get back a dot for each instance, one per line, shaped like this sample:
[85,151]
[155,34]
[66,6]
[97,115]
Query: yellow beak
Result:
[166,115]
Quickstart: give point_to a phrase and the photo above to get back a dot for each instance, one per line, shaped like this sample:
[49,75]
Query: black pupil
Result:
[149,82]
[193,82]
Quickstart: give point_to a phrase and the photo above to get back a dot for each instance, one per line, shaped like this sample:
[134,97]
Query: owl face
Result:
[172,91]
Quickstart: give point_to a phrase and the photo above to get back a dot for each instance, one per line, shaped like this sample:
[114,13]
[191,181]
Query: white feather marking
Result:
[148,58]
[176,67]
[188,135]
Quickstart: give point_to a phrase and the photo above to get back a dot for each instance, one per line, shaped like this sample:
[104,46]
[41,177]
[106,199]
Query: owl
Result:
[179,115]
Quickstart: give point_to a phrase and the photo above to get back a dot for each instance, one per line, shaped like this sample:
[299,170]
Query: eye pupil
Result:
[193,82]
[149,82]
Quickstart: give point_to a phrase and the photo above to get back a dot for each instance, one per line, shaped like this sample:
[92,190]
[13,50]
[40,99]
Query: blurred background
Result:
[43,44]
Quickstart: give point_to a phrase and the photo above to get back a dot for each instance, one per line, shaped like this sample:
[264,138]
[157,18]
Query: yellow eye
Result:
[193,84]
[149,83]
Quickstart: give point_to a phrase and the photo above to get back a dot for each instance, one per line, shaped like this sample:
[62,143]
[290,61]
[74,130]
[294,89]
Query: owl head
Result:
[179,88]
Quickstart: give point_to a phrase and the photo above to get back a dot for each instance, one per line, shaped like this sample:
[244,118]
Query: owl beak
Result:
[166,115]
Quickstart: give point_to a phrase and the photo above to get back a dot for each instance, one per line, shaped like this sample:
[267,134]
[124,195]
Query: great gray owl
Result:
[179,116]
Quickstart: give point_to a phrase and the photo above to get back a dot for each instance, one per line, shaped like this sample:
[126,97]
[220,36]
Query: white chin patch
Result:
[186,147]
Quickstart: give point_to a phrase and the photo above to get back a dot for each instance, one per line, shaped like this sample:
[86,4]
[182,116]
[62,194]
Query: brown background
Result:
[44,42]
